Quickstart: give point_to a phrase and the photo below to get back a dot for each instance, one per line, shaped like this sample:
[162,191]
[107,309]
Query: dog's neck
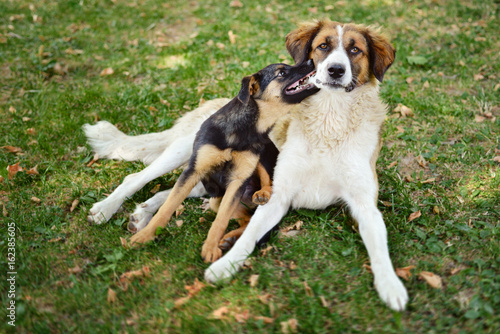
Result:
[330,117]
[270,112]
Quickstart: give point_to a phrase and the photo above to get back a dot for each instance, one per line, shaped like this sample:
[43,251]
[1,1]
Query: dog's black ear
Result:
[382,53]
[249,86]
[298,42]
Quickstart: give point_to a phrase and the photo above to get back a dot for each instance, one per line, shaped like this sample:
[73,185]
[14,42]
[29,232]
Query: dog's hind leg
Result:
[242,216]
[145,211]
[176,155]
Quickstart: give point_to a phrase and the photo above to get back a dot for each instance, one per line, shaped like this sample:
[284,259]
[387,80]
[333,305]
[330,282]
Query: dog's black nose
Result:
[336,71]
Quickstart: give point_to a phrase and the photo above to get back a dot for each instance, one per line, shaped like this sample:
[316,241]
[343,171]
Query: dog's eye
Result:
[354,50]
[323,46]
[281,73]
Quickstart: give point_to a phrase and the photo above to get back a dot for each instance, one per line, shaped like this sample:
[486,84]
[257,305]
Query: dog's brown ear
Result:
[249,86]
[298,42]
[382,53]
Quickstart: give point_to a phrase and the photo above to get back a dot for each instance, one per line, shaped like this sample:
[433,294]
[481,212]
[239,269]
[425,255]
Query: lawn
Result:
[140,64]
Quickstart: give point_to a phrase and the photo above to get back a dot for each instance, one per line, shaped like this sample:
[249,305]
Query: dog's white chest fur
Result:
[330,140]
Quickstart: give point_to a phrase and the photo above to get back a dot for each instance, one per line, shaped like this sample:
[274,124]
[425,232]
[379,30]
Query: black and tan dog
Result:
[228,147]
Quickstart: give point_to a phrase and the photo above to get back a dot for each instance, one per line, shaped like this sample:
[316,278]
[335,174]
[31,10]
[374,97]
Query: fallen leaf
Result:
[253,280]
[1,178]
[245,64]
[232,37]
[324,303]
[236,4]
[13,170]
[432,279]
[409,80]
[124,242]
[12,110]
[478,77]
[75,270]
[435,210]
[242,317]
[367,267]
[111,296]
[31,131]
[405,272]
[107,71]
[387,204]
[431,180]
[192,290]
[313,10]
[36,200]
[289,326]
[309,291]
[266,250]
[421,161]
[180,209]
[479,119]
[220,45]
[179,223]
[32,171]
[12,149]
[181,301]
[414,215]
[403,110]
[265,298]
[74,204]
[55,239]
[220,312]
[392,164]
[266,320]
[497,158]
[426,84]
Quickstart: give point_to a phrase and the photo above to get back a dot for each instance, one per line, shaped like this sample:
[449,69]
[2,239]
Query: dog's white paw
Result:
[221,270]
[392,291]
[140,218]
[99,214]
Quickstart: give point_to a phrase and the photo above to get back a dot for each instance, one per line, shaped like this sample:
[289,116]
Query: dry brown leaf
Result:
[111,296]
[405,272]
[309,291]
[426,84]
[387,204]
[497,158]
[236,4]
[12,149]
[324,303]
[265,298]
[266,320]
[55,239]
[409,80]
[179,222]
[220,313]
[414,215]
[94,159]
[264,251]
[31,131]
[478,77]
[107,71]
[12,110]
[367,267]
[74,204]
[232,37]
[124,242]
[242,317]
[253,280]
[435,210]
[479,119]
[180,209]
[403,110]
[289,326]
[392,164]
[1,178]
[245,64]
[32,171]
[181,301]
[195,288]
[36,200]
[432,279]
[13,170]
[431,180]
[75,270]
[421,161]
[313,10]
[220,45]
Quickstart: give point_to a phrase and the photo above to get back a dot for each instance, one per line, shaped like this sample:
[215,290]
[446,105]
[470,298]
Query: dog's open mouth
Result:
[300,85]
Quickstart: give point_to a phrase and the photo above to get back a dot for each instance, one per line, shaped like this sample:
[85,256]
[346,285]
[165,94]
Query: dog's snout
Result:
[336,71]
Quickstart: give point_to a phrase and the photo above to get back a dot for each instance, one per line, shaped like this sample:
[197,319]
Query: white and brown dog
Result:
[328,145]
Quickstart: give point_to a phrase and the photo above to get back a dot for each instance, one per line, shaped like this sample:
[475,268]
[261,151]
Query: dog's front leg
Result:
[264,219]
[374,235]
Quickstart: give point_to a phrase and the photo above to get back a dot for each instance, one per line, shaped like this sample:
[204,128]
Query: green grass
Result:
[168,50]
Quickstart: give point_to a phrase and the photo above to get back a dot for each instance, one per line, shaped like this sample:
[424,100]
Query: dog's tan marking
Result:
[245,163]
[208,157]
[270,111]
[263,195]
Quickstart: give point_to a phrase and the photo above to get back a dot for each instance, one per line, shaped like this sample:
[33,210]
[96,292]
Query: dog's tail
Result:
[110,143]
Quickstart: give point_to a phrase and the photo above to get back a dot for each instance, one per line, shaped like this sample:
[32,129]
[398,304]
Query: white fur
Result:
[331,138]
[165,151]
